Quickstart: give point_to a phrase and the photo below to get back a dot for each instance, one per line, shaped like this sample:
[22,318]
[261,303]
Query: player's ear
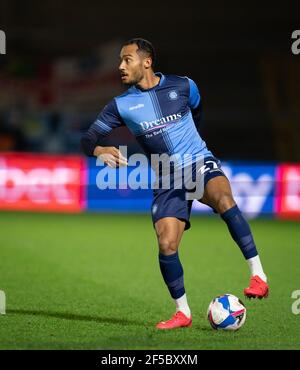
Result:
[147,63]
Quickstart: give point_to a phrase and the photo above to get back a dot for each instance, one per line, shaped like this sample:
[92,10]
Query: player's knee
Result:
[167,245]
[223,202]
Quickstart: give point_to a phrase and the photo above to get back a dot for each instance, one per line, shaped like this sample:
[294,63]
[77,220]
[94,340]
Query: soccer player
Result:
[163,112]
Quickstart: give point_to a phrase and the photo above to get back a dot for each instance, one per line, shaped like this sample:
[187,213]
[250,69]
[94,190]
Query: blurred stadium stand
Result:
[281,77]
[61,69]
[45,106]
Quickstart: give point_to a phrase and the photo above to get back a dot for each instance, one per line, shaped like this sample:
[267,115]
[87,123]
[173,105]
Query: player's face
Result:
[132,65]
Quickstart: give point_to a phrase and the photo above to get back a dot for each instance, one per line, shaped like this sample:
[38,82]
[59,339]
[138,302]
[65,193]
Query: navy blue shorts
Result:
[174,203]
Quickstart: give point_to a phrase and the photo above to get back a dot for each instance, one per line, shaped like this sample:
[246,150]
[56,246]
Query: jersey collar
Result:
[161,81]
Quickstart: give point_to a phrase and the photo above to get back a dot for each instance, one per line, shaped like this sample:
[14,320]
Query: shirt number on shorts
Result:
[206,168]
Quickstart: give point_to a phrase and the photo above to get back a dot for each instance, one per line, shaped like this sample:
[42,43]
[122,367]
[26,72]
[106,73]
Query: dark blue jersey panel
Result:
[110,118]
[157,144]
[172,97]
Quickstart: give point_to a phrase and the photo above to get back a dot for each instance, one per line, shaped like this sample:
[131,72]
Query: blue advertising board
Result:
[253,187]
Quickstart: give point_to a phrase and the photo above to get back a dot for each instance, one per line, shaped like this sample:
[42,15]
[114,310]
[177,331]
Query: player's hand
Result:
[110,156]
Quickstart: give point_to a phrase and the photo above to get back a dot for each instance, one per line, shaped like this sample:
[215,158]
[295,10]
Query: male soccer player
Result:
[163,112]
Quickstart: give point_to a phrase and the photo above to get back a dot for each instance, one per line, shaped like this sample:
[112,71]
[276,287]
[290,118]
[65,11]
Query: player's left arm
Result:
[93,139]
[195,103]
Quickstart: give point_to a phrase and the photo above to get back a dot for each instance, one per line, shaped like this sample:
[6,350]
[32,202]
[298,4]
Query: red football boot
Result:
[257,289]
[178,320]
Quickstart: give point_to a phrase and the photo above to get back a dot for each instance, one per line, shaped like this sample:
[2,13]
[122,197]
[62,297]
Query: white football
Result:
[226,312]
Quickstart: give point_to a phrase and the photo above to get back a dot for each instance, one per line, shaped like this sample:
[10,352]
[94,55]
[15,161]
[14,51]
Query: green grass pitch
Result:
[92,281]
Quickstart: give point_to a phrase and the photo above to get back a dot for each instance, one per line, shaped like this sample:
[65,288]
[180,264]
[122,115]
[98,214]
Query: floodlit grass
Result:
[92,281]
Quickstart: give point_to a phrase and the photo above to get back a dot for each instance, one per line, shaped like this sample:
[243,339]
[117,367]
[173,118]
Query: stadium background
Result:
[59,70]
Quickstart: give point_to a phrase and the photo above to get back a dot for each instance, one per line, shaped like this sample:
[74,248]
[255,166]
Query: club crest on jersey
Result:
[173,95]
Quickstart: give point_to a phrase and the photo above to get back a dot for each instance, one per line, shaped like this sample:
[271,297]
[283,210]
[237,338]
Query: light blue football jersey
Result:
[160,118]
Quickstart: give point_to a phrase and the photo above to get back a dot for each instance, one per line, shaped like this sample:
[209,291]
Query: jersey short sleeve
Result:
[194,97]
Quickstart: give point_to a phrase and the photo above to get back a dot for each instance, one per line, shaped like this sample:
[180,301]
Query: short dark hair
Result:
[144,46]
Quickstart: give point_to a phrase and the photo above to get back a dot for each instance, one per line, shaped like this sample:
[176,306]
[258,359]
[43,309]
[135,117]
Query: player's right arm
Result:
[106,121]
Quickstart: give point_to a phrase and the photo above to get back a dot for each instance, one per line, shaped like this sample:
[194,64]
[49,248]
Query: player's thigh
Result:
[169,231]
[218,194]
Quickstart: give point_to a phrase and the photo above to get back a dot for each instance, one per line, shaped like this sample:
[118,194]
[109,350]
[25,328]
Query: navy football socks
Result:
[172,272]
[240,231]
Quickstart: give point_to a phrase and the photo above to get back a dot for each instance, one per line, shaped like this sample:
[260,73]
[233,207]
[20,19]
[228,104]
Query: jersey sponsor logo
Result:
[145,125]
[173,95]
[137,106]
